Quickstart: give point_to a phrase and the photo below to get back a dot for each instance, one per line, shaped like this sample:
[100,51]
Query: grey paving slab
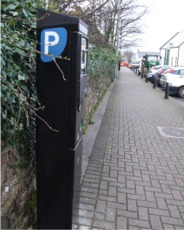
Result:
[134,174]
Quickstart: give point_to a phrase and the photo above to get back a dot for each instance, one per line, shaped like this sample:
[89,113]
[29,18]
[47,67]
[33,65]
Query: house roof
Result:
[142,53]
[174,42]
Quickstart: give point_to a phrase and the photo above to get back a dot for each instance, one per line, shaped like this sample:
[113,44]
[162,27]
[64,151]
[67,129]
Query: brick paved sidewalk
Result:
[135,175]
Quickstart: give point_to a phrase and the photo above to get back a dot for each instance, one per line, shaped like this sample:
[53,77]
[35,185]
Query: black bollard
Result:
[119,66]
[155,83]
[146,78]
[167,90]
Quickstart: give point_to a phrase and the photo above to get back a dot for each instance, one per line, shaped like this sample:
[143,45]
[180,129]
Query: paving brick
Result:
[88,195]
[85,213]
[143,213]
[82,227]
[174,211]
[132,205]
[155,222]
[160,212]
[85,221]
[121,197]
[117,206]
[177,195]
[86,200]
[136,197]
[146,204]
[161,203]
[87,207]
[103,192]
[99,216]
[101,206]
[111,215]
[112,191]
[127,214]
[130,184]
[140,190]
[107,198]
[150,196]
[122,223]
[174,221]
[103,224]
[104,185]
[139,223]
[169,226]
[88,189]
[163,195]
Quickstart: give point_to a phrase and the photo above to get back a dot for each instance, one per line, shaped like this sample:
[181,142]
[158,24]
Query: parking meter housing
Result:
[61,86]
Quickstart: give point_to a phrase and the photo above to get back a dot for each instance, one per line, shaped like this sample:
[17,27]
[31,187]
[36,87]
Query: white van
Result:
[175,80]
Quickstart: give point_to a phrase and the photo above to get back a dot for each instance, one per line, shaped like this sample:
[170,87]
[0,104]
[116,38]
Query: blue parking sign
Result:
[53,43]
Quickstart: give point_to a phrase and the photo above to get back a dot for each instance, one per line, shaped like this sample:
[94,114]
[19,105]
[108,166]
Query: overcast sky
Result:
[165,19]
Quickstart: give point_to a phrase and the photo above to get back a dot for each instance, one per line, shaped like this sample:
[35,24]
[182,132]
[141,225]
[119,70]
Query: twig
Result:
[31,108]
[59,68]
[54,62]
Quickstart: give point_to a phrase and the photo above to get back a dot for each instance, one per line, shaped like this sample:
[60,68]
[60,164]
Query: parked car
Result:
[156,67]
[162,70]
[151,74]
[134,66]
[175,81]
[124,63]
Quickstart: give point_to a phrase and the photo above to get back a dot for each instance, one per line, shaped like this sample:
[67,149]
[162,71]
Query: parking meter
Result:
[61,86]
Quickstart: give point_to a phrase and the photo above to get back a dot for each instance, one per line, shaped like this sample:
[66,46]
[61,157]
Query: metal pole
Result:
[118,15]
[117,29]
[146,79]
[47,4]
[155,83]
[167,90]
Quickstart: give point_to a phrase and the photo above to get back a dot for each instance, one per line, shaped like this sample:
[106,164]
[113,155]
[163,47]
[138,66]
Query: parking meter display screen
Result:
[83,56]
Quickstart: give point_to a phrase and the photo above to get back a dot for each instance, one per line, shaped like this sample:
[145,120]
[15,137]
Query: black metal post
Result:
[167,90]
[119,65]
[155,83]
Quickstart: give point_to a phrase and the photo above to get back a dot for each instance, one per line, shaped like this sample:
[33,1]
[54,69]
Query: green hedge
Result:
[102,62]
[18,33]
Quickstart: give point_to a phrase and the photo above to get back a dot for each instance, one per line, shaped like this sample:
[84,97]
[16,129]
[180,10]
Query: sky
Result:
[165,19]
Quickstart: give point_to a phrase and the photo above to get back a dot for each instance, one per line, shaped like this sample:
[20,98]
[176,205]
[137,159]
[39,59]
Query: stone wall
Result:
[18,188]
[96,88]
[18,185]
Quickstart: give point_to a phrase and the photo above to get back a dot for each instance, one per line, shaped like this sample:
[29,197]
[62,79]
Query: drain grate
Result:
[171,132]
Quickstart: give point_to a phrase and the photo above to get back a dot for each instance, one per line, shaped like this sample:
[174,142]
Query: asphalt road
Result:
[179,100]
[175,97]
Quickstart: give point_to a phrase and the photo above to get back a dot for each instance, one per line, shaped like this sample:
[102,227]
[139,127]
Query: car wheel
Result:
[181,91]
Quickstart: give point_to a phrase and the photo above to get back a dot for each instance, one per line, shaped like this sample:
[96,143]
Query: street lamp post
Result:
[47,4]
[117,29]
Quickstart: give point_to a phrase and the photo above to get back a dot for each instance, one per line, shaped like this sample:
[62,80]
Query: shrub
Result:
[18,74]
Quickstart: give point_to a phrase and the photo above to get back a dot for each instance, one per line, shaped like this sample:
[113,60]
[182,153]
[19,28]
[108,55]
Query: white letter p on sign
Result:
[50,42]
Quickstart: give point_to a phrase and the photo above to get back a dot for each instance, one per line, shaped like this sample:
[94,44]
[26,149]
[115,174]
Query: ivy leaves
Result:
[18,71]
[102,62]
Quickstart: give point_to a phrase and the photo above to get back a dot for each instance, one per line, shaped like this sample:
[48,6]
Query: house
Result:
[172,52]
[143,53]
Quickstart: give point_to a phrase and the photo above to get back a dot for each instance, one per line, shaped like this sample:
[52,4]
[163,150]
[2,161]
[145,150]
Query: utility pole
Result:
[118,15]
[47,4]
[117,33]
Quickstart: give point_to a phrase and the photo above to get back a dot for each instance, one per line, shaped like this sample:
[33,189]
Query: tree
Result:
[128,54]
[103,16]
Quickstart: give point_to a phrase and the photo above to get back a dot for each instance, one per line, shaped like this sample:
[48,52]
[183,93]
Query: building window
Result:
[166,59]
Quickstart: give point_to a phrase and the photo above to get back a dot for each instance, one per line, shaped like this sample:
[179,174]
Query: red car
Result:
[124,63]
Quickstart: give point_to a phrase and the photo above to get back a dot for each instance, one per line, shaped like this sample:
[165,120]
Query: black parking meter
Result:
[61,86]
